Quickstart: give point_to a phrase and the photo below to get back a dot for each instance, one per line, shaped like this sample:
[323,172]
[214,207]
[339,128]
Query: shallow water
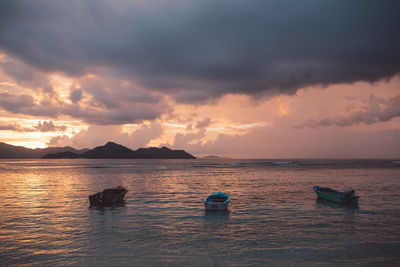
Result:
[274,217]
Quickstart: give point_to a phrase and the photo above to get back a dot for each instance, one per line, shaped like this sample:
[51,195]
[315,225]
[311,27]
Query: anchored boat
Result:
[217,201]
[108,196]
[327,193]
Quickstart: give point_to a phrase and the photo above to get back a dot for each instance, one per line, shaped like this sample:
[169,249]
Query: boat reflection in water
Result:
[216,222]
[322,203]
[216,214]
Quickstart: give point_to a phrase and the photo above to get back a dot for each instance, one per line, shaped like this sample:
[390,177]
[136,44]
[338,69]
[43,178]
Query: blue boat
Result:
[217,201]
[329,194]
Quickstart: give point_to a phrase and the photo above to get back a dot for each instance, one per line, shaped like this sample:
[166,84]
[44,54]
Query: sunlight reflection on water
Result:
[273,217]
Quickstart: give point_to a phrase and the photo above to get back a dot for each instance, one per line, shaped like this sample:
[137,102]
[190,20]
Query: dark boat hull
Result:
[108,196]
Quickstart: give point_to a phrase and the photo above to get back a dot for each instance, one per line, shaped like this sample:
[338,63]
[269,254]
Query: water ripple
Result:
[273,218]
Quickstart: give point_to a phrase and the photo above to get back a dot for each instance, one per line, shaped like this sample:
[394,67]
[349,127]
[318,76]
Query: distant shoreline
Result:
[110,150]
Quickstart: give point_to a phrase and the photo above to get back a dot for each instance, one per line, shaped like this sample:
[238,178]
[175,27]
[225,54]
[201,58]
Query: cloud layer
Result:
[229,77]
[99,135]
[196,50]
[93,99]
[377,110]
[42,126]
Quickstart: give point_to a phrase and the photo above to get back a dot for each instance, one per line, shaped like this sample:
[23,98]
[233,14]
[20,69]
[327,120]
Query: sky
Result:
[233,78]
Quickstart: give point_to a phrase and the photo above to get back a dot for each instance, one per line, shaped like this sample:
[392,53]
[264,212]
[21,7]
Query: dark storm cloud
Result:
[122,112]
[75,95]
[377,110]
[111,101]
[200,49]
[26,104]
[114,116]
[16,103]
[97,100]
[26,76]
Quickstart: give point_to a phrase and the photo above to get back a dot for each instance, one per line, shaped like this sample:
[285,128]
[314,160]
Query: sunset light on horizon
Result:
[199,133]
[263,80]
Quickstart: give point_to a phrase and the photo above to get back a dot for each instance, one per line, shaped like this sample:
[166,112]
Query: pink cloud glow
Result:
[245,84]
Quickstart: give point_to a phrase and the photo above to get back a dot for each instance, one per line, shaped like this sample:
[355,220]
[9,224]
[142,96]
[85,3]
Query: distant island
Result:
[110,150]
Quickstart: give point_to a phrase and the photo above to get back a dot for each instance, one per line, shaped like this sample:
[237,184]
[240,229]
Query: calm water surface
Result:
[273,219]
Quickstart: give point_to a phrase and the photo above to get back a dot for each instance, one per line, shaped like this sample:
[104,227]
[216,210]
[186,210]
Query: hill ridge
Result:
[110,150]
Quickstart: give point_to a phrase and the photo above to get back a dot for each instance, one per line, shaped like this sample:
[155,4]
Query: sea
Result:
[274,217]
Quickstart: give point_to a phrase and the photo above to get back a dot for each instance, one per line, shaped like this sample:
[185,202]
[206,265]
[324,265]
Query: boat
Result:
[329,194]
[217,201]
[108,196]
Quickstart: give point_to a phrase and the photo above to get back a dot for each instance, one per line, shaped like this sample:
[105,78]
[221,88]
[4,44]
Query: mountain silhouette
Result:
[19,152]
[112,150]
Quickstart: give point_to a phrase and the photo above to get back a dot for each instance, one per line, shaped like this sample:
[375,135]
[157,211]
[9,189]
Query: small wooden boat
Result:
[327,193]
[108,196]
[217,201]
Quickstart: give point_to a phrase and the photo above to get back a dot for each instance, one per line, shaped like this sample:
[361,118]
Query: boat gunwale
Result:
[209,204]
